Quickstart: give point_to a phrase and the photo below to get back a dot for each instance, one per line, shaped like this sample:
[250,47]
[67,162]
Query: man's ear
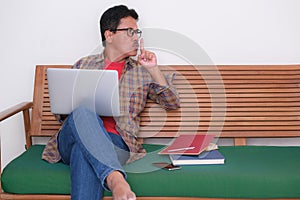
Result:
[108,36]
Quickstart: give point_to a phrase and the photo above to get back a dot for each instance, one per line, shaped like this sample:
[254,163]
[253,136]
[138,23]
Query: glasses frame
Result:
[130,31]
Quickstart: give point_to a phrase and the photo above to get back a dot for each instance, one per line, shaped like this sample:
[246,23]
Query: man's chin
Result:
[133,53]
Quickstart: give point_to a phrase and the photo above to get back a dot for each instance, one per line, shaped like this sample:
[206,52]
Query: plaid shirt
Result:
[136,85]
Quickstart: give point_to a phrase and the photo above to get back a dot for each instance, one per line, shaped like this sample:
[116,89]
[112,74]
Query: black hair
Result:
[111,18]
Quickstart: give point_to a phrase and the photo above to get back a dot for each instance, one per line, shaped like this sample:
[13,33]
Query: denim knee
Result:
[82,110]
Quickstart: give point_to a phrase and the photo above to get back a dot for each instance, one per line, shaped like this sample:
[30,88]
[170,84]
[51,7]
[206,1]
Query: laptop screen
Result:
[97,90]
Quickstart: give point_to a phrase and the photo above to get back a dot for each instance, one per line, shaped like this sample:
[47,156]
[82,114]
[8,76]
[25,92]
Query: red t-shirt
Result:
[109,122]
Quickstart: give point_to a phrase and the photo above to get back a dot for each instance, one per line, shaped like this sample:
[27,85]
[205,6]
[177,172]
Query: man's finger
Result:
[142,45]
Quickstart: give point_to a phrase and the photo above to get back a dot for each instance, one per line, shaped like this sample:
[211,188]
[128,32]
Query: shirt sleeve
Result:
[166,96]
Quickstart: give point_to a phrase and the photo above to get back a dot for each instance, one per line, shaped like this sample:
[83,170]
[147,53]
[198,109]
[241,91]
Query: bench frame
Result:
[278,86]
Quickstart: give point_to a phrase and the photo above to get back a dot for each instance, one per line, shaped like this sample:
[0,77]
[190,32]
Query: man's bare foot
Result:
[119,187]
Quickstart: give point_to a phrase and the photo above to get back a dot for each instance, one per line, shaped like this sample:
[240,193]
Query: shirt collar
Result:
[129,63]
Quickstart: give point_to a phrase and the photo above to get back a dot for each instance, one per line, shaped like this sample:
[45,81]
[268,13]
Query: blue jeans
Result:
[91,152]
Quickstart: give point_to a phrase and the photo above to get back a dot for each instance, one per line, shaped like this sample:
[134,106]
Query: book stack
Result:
[194,150]
[206,157]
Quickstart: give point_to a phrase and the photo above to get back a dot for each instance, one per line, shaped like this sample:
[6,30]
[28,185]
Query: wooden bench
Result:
[232,101]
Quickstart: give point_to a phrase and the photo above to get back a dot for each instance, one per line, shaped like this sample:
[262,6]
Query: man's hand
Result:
[146,58]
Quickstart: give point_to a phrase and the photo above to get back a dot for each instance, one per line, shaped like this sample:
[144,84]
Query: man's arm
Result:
[166,96]
[161,91]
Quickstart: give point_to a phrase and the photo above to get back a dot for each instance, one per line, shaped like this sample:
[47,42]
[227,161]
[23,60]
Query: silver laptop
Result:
[96,90]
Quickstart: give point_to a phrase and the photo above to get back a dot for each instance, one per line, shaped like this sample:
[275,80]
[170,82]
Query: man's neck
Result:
[112,56]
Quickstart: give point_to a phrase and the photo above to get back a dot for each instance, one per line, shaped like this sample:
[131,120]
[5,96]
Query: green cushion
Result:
[29,174]
[248,172]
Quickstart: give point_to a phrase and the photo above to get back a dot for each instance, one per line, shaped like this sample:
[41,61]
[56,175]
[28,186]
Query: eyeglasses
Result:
[130,31]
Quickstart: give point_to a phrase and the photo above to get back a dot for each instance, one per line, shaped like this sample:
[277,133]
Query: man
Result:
[97,147]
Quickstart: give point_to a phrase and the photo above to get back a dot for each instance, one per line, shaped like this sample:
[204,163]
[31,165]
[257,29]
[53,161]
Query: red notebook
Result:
[188,144]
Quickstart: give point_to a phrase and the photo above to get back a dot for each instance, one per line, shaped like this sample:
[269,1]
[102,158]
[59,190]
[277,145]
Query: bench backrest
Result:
[233,101]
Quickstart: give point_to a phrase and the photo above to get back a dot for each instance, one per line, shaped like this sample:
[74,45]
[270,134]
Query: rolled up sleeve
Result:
[166,96]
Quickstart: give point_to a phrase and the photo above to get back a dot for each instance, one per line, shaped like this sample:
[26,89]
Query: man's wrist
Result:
[157,75]
[153,69]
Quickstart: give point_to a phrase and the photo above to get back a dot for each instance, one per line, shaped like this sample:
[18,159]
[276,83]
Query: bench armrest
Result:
[24,107]
[15,109]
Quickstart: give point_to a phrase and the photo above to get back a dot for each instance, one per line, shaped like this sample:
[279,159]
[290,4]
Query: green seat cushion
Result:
[248,172]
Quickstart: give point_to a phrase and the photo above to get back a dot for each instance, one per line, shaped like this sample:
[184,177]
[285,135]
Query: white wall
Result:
[59,32]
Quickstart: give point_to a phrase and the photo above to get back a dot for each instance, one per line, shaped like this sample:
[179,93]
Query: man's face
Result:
[123,44]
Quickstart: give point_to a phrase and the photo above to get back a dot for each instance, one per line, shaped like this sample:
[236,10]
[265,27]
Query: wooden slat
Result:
[156,108]
[214,126]
[220,133]
[237,86]
[233,81]
[241,68]
[6,196]
[271,105]
[181,72]
[228,114]
[208,77]
[220,116]
[240,141]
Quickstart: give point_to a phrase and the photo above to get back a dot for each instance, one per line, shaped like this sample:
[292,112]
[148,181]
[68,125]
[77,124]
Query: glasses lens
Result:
[139,33]
[130,32]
